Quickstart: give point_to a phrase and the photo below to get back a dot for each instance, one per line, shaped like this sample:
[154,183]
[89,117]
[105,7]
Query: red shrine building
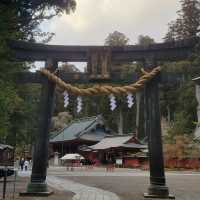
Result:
[122,150]
[86,131]
[98,144]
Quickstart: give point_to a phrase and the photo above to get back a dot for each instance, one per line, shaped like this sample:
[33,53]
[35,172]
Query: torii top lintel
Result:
[170,51]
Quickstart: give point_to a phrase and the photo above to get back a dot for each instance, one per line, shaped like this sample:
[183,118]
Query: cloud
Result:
[93,20]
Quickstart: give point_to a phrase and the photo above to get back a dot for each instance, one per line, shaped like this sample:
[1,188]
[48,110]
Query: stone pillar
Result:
[37,185]
[197,89]
[157,188]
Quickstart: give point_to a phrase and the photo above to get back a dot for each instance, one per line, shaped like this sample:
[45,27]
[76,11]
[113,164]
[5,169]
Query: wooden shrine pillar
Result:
[157,188]
[37,185]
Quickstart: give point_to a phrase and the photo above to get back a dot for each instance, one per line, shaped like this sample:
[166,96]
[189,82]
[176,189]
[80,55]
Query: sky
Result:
[93,20]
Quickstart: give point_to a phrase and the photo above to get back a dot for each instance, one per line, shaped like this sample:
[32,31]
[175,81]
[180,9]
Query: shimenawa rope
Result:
[105,89]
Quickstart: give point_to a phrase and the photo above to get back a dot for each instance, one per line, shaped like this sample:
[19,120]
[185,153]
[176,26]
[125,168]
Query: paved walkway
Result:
[119,172]
[82,192]
[123,184]
[14,188]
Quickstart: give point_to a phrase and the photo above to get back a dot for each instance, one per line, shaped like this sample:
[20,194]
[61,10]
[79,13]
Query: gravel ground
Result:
[184,187]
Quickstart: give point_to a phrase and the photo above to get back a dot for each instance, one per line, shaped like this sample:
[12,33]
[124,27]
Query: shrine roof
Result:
[126,141]
[84,129]
[5,146]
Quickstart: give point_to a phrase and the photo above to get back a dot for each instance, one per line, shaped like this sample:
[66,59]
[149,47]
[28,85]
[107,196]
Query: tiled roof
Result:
[109,142]
[5,146]
[78,129]
[98,135]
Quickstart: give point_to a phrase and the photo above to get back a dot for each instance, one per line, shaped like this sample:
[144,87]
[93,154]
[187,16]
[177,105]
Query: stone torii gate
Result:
[99,59]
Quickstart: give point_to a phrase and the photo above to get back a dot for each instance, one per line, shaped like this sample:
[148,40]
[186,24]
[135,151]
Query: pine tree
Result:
[171,34]
[190,17]
[188,22]
[20,20]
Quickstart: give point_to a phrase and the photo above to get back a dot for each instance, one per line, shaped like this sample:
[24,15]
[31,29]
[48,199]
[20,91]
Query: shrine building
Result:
[86,131]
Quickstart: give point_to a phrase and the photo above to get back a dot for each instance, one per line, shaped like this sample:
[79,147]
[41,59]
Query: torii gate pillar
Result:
[158,187]
[38,185]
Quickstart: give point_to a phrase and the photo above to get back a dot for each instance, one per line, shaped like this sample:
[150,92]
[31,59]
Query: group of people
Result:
[24,164]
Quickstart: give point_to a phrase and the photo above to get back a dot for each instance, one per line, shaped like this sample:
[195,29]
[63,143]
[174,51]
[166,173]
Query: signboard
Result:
[119,161]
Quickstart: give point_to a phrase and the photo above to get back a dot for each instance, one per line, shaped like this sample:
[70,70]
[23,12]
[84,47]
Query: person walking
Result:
[21,163]
[26,164]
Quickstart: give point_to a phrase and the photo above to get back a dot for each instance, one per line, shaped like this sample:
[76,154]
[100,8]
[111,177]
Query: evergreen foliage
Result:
[145,40]
[179,104]
[188,22]
[116,39]
[20,20]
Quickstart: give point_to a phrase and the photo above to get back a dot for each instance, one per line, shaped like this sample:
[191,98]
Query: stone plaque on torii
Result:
[99,59]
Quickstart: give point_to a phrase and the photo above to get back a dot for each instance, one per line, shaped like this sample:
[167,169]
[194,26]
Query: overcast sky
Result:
[93,20]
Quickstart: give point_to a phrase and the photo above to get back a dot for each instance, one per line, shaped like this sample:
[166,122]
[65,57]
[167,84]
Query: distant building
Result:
[6,155]
[125,150]
[86,131]
[6,159]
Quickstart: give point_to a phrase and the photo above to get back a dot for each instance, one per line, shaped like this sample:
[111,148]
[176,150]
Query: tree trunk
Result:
[120,126]
[138,98]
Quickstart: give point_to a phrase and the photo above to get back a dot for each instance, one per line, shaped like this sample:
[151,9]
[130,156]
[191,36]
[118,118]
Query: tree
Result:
[188,22]
[124,119]
[20,19]
[145,40]
[190,16]
[27,15]
[60,121]
[180,102]
[178,105]
[66,67]
[116,39]
[171,33]
[182,147]
[119,39]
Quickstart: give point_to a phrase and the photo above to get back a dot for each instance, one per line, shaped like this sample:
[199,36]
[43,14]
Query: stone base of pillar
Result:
[158,191]
[36,189]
